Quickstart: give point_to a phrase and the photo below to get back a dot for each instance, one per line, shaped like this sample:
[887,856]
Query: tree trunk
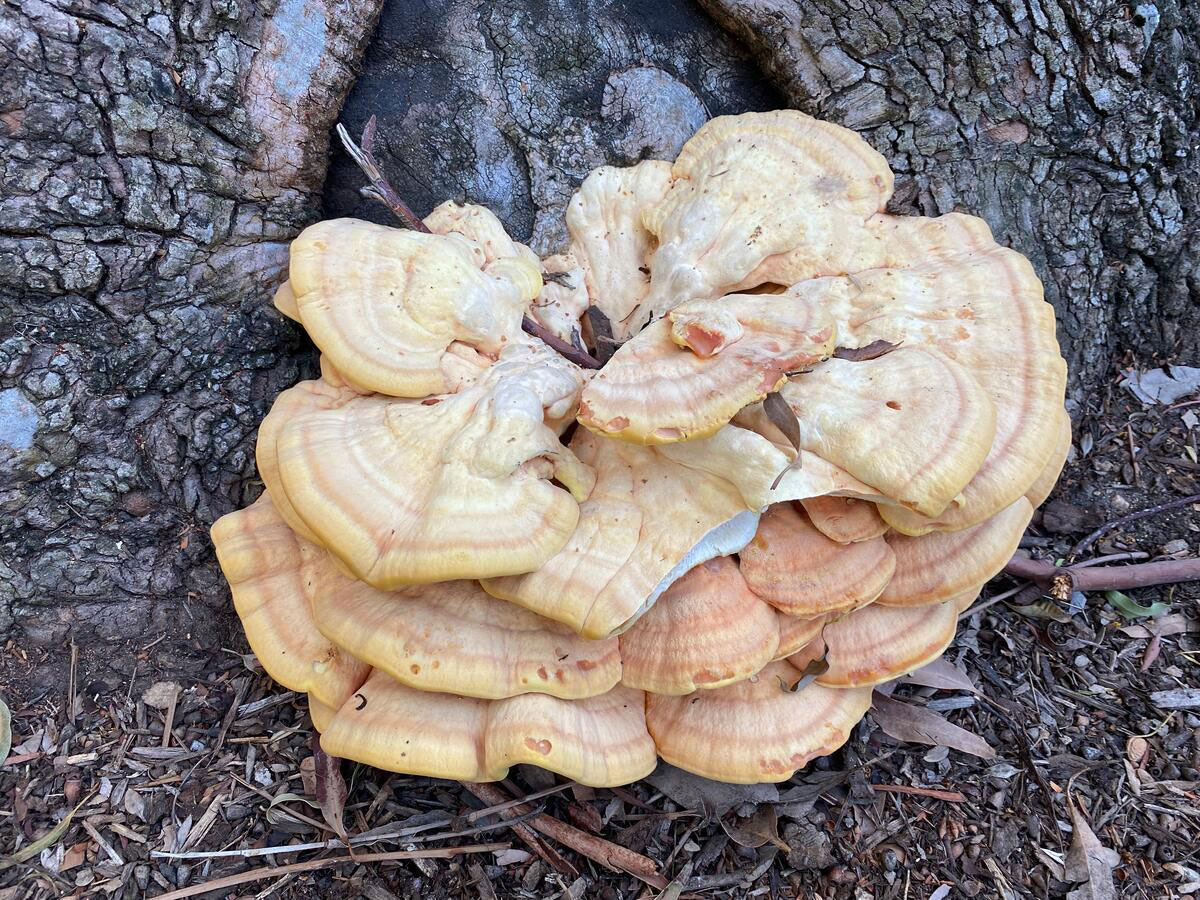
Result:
[159,157]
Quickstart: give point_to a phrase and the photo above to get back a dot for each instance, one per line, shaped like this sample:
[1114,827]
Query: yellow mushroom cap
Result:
[938,566]
[599,741]
[261,559]
[455,638]
[801,572]
[647,521]
[604,219]
[305,397]
[320,714]
[285,301]
[686,375]
[385,303]
[755,730]
[753,463]
[844,519]
[706,630]
[406,491]
[489,242]
[751,186]
[1044,484]
[913,423]
[878,643]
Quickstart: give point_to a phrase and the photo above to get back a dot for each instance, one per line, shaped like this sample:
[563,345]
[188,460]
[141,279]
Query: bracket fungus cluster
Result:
[823,428]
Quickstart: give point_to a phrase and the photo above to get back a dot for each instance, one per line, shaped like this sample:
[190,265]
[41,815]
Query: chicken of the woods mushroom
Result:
[822,430]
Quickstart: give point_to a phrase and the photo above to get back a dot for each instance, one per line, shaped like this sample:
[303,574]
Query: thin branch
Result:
[1132,517]
[581,358]
[606,853]
[1101,578]
[310,865]
[365,160]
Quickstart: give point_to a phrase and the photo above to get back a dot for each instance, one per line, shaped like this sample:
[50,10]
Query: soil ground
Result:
[1068,707]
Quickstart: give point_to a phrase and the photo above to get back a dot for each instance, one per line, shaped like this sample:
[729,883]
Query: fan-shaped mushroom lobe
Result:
[878,643]
[455,638]
[706,630]
[688,374]
[604,219]
[937,566]
[801,572]
[407,492]
[647,521]
[262,561]
[751,186]
[755,730]
[384,304]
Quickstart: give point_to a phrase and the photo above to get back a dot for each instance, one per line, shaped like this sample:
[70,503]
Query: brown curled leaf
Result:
[873,350]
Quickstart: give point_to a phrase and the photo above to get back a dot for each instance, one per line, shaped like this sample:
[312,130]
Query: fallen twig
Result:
[1060,581]
[309,865]
[1125,520]
[508,812]
[606,853]
[948,796]
[581,358]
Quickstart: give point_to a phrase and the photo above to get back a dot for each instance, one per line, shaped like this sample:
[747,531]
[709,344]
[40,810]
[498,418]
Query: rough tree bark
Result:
[159,156]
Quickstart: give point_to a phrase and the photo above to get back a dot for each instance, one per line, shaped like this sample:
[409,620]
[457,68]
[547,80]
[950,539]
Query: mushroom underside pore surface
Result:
[817,431]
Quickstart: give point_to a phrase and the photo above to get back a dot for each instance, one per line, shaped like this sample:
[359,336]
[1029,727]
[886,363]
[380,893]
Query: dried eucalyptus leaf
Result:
[5,730]
[783,417]
[873,350]
[1041,609]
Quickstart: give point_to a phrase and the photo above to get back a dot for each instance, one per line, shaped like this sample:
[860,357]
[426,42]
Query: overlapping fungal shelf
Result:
[473,553]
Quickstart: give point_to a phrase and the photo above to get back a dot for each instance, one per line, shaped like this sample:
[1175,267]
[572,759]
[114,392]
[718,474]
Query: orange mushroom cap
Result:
[878,643]
[938,566]
[755,730]
[1044,483]
[706,630]
[261,559]
[846,520]
[801,572]
[689,373]
[795,632]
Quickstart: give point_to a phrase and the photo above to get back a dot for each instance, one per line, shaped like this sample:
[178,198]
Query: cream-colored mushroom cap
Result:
[600,741]
[385,304]
[453,637]
[914,424]
[795,632]
[604,219]
[878,643]
[305,397]
[801,572]
[755,730]
[689,373]
[489,241]
[844,519]
[406,491]
[285,301]
[706,630]
[262,559]
[747,187]
[1044,483]
[940,565]
[647,521]
[764,471]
